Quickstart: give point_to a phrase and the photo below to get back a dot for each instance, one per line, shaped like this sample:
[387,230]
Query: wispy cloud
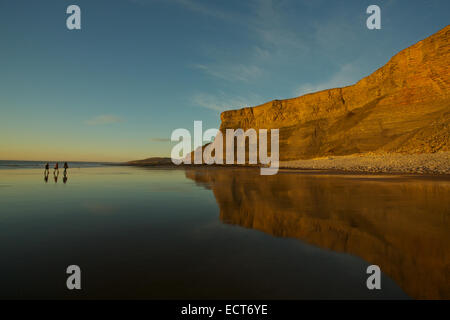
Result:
[274,38]
[195,6]
[231,72]
[265,18]
[265,22]
[347,75]
[269,23]
[222,102]
[103,119]
[205,10]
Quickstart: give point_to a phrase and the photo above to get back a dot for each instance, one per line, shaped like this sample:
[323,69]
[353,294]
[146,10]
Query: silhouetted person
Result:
[65,169]
[56,168]
[46,171]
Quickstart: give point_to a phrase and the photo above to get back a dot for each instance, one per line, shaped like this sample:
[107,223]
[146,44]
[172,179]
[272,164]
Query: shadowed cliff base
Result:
[398,223]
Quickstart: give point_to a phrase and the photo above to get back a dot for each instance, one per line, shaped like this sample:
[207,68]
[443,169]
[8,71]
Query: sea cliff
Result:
[403,107]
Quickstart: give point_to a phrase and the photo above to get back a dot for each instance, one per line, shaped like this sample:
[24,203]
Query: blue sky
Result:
[139,69]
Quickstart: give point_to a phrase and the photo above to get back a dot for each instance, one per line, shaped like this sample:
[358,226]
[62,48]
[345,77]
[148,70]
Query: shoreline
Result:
[430,164]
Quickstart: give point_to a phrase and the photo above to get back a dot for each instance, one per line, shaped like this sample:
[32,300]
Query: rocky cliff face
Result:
[402,107]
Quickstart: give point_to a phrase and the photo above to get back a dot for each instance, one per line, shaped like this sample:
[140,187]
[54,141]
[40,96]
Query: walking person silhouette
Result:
[46,171]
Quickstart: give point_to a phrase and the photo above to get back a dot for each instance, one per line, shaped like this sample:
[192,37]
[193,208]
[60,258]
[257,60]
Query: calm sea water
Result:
[9,164]
[222,233]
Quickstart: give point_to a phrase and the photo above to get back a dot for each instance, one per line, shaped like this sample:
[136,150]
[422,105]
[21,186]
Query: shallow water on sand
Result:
[222,233]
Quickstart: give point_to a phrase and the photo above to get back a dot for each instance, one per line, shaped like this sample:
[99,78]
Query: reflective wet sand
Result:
[221,233]
[400,223]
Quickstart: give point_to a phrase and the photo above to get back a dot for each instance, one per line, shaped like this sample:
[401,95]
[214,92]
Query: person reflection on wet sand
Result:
[46,177]
[56,175]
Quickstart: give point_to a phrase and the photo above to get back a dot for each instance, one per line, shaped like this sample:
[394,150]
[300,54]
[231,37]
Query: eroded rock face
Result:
[402,107]
[399,224]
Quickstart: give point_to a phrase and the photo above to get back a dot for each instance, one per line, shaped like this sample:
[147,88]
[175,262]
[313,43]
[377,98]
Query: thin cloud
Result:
[269,23]
[205,10]
[266,22]
[231,72]
[103,119]
[347,75]
[195,6]
[265,18]
[274,39]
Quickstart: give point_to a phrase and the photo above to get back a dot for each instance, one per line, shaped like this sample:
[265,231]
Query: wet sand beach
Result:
[223,233]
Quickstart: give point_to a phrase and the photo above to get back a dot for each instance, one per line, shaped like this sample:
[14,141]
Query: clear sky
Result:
[138,69]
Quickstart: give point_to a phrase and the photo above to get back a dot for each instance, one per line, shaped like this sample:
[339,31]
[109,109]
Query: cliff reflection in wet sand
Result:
[401,224]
